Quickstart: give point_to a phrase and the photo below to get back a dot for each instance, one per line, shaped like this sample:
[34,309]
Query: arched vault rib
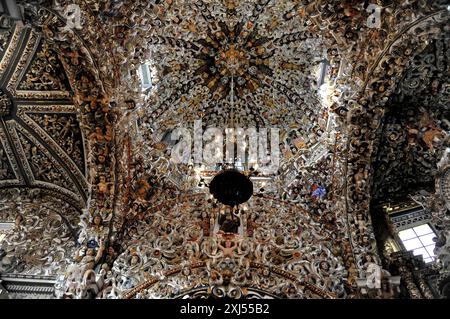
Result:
[365,117]
[34,76]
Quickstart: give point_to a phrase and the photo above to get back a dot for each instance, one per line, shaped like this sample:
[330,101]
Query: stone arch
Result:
[97,117]
[277,283]
[366,112]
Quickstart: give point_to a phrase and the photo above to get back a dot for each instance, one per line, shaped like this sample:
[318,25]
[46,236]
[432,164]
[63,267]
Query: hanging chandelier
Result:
[231,187]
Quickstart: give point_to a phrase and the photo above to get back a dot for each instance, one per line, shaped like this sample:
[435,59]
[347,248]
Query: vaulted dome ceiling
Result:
[236,63]
[78,128]
[239,64]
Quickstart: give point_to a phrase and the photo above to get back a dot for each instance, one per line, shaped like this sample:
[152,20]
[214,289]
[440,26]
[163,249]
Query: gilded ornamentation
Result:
[45,72]
[174,235]
[65,131]
[41,223]
[147,227]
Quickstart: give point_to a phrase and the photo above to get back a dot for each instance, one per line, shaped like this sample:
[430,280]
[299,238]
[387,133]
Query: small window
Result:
[419,240]
[146,76]
[4,227]
[322,72]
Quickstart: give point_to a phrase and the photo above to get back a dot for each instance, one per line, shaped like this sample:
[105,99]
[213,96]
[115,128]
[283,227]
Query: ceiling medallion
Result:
[236,55]
[231,187]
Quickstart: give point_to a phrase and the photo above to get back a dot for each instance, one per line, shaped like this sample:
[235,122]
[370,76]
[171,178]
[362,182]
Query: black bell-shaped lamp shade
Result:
[231,187]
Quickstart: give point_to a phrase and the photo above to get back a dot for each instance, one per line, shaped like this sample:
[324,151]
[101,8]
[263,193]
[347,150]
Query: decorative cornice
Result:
[28,284]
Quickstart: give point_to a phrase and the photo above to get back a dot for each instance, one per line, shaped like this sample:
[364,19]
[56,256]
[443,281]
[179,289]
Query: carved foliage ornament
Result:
[43,239]
[5,104]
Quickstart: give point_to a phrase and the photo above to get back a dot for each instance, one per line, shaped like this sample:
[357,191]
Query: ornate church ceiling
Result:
[238,64]
[76,128]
